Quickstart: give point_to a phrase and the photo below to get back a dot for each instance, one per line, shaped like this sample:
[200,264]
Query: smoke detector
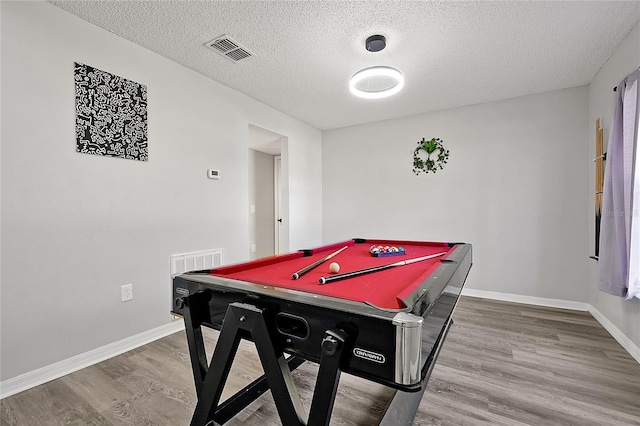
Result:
[229,48]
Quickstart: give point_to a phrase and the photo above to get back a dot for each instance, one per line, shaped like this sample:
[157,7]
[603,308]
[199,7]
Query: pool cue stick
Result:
[327,280]
[599,184]
[306,269]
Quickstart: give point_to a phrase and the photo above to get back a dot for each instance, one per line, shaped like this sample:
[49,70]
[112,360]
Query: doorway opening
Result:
[268,193]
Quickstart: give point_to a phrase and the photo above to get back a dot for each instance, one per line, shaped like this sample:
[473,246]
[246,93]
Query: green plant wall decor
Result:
[436,156]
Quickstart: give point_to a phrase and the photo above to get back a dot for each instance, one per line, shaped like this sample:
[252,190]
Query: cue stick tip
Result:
[295,276]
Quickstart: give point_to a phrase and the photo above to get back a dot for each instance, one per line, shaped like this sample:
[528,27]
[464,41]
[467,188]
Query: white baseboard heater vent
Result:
[195,261]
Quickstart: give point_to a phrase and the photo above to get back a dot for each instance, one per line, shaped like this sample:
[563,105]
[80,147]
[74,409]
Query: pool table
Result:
[386,326]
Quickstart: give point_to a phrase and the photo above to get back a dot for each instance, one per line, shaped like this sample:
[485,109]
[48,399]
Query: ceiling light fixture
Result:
[379,81]
[368,74]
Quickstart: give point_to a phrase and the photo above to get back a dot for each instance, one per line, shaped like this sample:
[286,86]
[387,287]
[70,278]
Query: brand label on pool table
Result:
[368,355]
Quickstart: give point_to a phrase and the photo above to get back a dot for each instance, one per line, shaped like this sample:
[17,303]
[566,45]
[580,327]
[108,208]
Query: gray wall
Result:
[623,314]
[515,187]
[261,195]
[76,227]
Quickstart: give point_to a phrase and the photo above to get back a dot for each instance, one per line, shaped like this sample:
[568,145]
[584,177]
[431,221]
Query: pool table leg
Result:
[241,399]
[242,319]
[194,307]
[324,394]
[404,405]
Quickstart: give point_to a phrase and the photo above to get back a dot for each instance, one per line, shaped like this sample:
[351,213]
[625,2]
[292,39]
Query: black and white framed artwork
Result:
[111,114]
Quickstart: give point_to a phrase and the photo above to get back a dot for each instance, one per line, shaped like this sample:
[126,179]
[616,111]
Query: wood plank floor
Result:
[502,364]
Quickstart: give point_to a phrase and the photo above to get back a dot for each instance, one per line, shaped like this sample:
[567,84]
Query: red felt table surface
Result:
[384,289]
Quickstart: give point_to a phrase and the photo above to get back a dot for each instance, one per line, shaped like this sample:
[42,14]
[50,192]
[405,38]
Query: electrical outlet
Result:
[127,292]
[253,248]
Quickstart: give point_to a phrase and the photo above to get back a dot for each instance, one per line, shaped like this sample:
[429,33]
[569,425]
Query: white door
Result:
[277,192]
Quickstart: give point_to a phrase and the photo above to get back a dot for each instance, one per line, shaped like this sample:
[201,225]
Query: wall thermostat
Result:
[214,174]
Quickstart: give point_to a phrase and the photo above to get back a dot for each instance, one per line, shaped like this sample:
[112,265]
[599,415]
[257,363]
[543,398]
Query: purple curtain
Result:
[619,258]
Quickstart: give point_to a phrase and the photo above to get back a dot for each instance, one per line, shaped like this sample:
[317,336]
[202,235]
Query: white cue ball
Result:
[334,267]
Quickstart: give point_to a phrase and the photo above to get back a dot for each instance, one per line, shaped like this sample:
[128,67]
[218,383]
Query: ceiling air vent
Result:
[229,48]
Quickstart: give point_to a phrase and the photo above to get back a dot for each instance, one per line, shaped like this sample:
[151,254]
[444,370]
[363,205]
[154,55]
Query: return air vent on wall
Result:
[196,261]
[229,48]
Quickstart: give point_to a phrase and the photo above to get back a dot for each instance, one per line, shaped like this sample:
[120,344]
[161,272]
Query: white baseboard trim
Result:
[615,332]
[51,372]
[78,362]
[528,300]
[624,341]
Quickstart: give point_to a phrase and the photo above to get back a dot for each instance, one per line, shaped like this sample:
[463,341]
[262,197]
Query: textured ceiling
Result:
[451,53]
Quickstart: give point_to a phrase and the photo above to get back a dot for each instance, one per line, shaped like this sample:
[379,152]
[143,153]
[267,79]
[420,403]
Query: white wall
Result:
[515,187]
[623,314]
[76,227]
